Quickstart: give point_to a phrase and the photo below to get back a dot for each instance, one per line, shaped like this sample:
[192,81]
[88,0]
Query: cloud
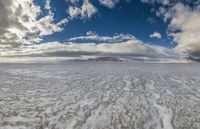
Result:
[47,5]
[109,3]
[96,37]
[74,11]
[73,1]
[132,49]
[87,10]
[184,28]
[183,24]
[151,20]
[156,35]
[91,33]
[62,22]
[187,22]
[20,24]
[164,2]
[22,27]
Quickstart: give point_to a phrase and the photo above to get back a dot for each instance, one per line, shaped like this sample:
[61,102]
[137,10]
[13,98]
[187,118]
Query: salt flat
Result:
[99,95]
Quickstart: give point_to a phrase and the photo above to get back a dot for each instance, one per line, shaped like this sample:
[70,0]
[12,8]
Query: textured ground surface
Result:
[91,95]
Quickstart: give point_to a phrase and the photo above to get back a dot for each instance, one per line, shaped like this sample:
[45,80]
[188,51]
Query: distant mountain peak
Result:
[104,59]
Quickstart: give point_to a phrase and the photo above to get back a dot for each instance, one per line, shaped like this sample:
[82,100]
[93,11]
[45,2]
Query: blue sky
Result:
[132,17]
[164,29]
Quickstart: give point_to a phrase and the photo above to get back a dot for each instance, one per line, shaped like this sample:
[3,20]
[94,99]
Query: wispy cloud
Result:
[93,36]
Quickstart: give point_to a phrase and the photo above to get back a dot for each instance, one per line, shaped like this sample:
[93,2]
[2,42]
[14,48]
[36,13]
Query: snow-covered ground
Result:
[99,95]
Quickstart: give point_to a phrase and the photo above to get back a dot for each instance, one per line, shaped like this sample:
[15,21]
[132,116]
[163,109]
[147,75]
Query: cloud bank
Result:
[126,49]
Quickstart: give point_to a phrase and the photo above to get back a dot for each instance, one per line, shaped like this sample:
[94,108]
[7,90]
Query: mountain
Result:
[104,59]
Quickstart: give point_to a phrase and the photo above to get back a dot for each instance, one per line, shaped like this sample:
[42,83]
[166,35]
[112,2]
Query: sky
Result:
[131,29]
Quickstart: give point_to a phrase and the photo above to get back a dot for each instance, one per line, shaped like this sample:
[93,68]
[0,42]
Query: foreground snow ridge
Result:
[99,95]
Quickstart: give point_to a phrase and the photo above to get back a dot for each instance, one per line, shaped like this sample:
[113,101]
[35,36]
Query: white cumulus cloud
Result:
[73,1]
[156,35]
[184,27]
[109,3]
[87,10]
[187,22]
[20,23]
[183,24]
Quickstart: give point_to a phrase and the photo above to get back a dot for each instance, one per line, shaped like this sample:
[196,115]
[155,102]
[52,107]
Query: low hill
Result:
[104,59]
